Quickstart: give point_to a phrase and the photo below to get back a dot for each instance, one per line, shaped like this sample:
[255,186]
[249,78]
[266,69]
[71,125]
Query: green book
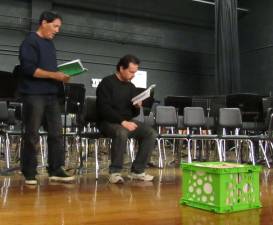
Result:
[72,68]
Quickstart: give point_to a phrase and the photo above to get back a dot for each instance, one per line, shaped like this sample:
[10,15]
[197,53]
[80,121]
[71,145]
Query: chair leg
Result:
[251,151]
[86,151]
[222,147]
[264,153]
[189,151]
[96,158]
[218,146]
[131,146]
[174,142]
[7,151]
[194,149]
[160,160]
[164,149]
[237,150]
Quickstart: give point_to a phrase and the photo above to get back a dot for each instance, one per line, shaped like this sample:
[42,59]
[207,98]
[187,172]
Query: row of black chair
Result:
[194,121]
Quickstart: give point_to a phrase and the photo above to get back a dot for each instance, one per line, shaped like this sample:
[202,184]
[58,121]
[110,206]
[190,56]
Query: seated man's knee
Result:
[151,133]
[121,134]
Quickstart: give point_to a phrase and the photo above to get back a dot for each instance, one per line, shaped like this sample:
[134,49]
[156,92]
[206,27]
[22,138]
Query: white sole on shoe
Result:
[116,178]
[117,182]
[31,182]
[147,178]
[55,178]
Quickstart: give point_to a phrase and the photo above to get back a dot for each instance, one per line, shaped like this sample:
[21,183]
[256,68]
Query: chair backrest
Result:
[4,116]
[90,110]
[230,118]
[268,113]
[8,85]
[166,116]
[267,103]
[269,120]
[75,97]
[194,117]
[270,125]
[11,116]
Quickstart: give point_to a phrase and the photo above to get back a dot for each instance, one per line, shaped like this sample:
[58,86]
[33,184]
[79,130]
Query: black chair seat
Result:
[92,135]
[203,137]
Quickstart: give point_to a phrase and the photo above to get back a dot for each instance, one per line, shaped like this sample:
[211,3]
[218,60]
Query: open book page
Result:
[143,95]
[72,68]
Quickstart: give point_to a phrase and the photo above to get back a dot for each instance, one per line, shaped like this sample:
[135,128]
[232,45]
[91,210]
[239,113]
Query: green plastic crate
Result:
[221,187]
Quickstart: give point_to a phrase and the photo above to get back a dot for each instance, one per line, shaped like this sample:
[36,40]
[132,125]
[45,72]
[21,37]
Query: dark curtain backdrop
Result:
[227,58]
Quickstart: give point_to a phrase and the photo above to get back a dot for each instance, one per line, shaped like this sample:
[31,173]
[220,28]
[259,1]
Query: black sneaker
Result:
[31,180]
[60,175]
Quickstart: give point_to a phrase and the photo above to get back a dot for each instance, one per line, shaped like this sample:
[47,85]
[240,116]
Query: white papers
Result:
[143,95]
[140,79]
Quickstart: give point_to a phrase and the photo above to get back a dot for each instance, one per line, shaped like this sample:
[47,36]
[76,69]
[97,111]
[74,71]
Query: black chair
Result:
[267,103]
[74,97]
[88,129]
[166,117]
[195,122]
[4,140]
[265,140]
[230,119]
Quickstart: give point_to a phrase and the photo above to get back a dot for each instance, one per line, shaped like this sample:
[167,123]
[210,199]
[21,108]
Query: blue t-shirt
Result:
[37,52]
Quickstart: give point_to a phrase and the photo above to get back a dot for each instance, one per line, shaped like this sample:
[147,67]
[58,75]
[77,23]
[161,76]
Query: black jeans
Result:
[37,108]
[145,135]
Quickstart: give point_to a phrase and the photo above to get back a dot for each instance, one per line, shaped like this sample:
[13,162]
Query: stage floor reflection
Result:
[88,201]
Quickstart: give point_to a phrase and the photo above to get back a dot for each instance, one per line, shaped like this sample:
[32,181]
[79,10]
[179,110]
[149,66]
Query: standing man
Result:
[39,86]
[116,112]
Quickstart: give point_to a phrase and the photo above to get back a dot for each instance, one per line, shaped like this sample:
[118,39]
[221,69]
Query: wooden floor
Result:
[88,201]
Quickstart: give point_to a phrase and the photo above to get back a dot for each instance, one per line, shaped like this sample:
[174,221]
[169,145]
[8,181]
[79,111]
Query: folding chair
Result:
[265,140]
[166,117]
[231,118]
[194,118]
[89,118]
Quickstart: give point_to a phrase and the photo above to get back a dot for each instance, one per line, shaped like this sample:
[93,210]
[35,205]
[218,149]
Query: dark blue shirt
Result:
[37,52]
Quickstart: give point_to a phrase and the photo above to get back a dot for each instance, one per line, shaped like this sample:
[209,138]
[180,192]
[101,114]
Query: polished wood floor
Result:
[88,201]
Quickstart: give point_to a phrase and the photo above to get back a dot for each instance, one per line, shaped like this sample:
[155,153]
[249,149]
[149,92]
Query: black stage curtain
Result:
[227,58]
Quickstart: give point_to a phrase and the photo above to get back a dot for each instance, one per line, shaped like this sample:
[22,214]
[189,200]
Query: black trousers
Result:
[37,108]
[144,134]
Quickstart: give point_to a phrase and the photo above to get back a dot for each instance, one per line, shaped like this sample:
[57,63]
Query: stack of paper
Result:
[143,95]
[72,68]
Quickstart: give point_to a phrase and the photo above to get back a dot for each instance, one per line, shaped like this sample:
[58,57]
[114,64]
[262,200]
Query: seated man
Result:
[115,112]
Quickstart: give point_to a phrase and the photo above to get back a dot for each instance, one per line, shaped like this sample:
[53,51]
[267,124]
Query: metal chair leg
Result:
[264,153]
[7,151]
[160,160]
[96,159]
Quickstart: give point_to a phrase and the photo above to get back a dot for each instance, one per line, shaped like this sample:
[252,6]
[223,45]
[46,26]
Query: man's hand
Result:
[40,73]
[138,105]
[61,77]
[129,125]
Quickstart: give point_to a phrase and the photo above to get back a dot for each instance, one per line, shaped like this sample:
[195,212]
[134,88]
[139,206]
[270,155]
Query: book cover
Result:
[143,95]
[72,68]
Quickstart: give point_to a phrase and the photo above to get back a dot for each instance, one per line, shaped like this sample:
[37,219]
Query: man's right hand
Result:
[61,77]
[129,125]
[40,73]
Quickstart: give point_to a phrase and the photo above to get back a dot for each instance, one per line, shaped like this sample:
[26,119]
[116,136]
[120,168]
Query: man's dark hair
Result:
[49,16]
[126,60]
